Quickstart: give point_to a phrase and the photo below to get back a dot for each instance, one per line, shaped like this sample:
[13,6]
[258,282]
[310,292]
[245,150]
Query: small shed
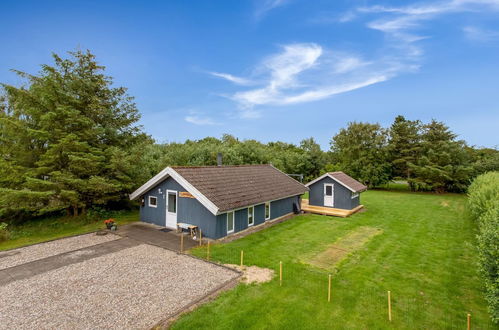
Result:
[334,191]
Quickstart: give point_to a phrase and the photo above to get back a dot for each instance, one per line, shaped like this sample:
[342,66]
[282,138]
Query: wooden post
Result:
[181,242]
[280,273]
[242,256]
[469,321]
[208,252]
[329,289]
[389,306]
[200,237]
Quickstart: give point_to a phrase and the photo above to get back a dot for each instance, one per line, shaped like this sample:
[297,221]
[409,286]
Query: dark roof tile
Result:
[232,187]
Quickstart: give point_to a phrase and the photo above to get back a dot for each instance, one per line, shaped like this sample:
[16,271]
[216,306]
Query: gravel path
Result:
[131,289]
[26,254]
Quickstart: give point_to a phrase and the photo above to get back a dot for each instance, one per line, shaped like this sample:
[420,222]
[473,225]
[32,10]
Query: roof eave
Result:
[183,182]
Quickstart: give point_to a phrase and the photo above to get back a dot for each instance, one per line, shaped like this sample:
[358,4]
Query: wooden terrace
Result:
[327,210]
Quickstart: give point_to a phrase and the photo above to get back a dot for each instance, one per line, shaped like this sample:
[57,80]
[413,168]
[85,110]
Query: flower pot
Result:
[109,225]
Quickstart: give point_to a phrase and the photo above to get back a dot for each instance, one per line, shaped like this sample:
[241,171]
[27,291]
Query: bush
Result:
[483,204]
[483,193]
[4,232]
[488,249]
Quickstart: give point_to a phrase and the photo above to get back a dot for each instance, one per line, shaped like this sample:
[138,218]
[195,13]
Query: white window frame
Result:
[355,195]
[149,201]
[233,221]
[265,210]
[252,215]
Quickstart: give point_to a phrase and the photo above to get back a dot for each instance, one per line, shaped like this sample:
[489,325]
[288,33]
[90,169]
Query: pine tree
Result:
[444,164]
[65,130]
[404,145]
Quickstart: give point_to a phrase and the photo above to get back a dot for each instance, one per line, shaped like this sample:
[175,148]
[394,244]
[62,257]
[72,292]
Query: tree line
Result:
[69,141]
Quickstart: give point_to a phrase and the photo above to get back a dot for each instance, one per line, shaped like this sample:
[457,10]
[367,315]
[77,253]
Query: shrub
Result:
[483,204]
[4,232]
[488,249]
[483,193]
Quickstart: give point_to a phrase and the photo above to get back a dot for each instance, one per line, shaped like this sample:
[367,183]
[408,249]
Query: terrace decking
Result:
[327,210]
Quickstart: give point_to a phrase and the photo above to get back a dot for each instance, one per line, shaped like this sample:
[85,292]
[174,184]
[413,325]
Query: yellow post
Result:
[280,273]
[389,307]
[200,237]
[329,289]
[181,242]
[469,321]
[242,256]
[208,252]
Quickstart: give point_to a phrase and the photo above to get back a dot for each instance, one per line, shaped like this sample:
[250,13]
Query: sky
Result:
[276,69]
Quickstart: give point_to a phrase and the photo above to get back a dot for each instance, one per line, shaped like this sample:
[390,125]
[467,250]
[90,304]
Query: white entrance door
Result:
[171,209]
[328,194]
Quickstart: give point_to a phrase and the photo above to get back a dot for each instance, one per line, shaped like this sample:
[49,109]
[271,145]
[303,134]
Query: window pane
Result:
[267,210]
[230,221]
[152,201]
[250,216]
[172,203]
[329,190]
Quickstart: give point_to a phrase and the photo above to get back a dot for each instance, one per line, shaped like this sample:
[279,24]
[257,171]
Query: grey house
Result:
[220,200]
[335,190]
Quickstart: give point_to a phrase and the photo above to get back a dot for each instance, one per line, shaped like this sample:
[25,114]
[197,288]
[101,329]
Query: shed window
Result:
[355,195]
[230,222]
[251,211]
[153,201]
[267,211]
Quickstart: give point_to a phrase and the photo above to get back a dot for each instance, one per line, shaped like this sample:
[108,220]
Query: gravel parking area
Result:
[134,289]
[26,254]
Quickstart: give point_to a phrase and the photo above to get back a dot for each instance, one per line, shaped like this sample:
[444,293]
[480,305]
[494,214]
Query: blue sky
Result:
[276,69]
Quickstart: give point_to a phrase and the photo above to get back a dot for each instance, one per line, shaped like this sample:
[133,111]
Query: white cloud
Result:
[201,121]
[482,35]
[306,72]
[264,6]
[400,24]
[232,78]
[325,92]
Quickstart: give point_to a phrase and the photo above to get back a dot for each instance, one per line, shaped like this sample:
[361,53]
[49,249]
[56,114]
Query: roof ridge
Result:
[220,166]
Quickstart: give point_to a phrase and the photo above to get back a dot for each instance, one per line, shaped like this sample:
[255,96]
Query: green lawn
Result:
[424,254]
[46,229]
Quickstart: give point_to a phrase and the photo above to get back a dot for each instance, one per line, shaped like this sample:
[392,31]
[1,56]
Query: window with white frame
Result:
[251,212]
[267,211]
[153,201]
[355,195]
[230,222]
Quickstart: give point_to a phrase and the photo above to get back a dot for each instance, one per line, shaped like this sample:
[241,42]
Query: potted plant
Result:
[109,223]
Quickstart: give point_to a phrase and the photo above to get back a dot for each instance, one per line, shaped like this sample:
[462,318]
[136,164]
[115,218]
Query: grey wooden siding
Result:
[190,210]
[342,195]
[283,206]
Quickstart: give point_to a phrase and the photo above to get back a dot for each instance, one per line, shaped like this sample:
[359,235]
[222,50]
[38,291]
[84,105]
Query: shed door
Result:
[171,209]
[328,194]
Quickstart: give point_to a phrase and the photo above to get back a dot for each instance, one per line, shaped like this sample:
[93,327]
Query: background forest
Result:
[69,142]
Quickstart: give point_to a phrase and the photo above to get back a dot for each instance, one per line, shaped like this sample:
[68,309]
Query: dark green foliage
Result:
[362,152]
[66,139]
[404,146]
[4,232]
[444,164]
[483,204]
[307,159]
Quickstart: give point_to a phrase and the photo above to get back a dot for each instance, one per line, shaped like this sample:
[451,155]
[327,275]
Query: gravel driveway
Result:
[133,288]
[26,254]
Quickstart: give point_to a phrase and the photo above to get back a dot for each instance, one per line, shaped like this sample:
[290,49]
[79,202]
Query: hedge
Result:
[483,204]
